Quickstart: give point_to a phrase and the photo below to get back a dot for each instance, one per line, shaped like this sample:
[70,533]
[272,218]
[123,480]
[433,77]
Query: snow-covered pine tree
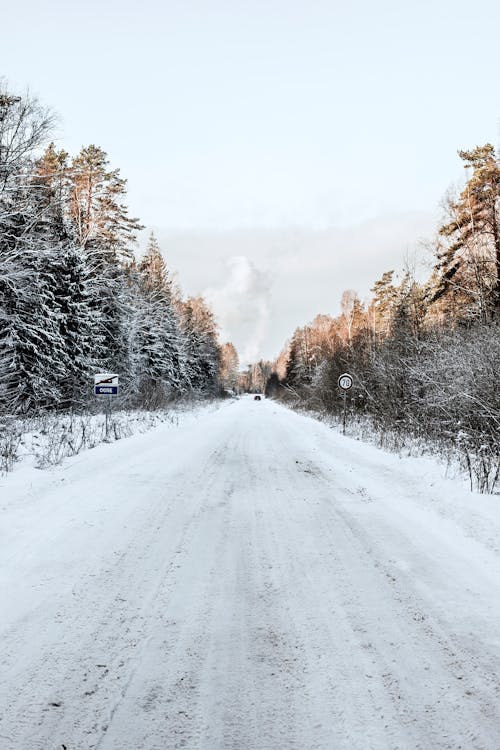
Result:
[31,349]
[79,331]
[468,263]
[160,354]
[382,306]
[101,222]
[78,328]
[105,232]
[32,360]
[200,332]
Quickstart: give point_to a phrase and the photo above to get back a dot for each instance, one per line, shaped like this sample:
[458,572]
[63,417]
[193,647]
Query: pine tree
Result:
[469,262]
[32,361]
[200,331]
[299,365]
[101,222]
[160,359]
[77,325]
[51,181]
[103,229]
[72,288]
[382,306]
[410,303]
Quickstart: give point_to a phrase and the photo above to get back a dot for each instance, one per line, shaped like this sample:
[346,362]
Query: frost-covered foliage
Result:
[424,356]
[161,362]
[10,440]
[49,438]
[441,388]
[73,299]
[52,437]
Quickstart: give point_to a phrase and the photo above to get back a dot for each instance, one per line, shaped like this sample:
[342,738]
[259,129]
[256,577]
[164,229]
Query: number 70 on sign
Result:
[345,381]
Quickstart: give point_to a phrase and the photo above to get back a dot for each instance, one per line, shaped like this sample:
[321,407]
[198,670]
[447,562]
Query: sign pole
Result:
[345,382]
[108,410]
[106,384]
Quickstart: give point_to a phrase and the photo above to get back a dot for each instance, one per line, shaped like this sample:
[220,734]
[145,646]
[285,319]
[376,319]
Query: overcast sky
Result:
[283,150]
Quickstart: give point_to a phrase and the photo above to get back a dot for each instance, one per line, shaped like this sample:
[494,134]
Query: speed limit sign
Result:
[345,381]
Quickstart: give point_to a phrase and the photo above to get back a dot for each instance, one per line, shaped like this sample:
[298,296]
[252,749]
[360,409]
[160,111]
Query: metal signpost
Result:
[106,384]
[345,382]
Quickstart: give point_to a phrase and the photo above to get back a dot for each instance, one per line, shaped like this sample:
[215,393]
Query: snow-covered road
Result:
[249,580]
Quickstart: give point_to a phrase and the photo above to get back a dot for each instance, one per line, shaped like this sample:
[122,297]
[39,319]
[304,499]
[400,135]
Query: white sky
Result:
[226,115]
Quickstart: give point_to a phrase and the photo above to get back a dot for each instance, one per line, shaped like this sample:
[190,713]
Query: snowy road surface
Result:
[247,580]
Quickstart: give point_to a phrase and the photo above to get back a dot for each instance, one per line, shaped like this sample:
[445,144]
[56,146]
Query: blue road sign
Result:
[106,390]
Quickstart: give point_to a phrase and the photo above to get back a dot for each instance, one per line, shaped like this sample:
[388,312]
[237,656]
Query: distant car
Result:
[256,398]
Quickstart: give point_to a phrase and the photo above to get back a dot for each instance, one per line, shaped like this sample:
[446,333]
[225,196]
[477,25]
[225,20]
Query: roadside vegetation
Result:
[425,357]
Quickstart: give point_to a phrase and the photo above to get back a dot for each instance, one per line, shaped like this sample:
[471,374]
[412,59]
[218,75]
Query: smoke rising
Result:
[242,305]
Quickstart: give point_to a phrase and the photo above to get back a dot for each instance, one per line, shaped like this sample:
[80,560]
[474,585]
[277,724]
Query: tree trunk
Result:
[496,235]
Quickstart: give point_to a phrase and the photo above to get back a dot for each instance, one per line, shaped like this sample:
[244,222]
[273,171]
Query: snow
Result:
[247,579]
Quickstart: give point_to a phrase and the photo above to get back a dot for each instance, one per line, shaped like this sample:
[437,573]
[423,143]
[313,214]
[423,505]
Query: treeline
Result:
[73,298]
[425,357]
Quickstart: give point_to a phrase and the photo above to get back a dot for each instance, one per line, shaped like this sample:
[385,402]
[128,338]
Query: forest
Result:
[74,298]
[424,356]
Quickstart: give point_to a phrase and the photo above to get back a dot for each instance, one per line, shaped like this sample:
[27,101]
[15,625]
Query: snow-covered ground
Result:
[48,439]
[247,580]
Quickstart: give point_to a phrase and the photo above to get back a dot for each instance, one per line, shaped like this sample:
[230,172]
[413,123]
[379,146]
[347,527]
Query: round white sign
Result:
[345,381]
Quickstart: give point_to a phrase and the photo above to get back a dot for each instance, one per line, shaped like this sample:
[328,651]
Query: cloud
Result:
[242,305]
[263,283]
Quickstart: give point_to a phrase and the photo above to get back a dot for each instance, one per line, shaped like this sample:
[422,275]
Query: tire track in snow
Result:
[253,596]
[91,656]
